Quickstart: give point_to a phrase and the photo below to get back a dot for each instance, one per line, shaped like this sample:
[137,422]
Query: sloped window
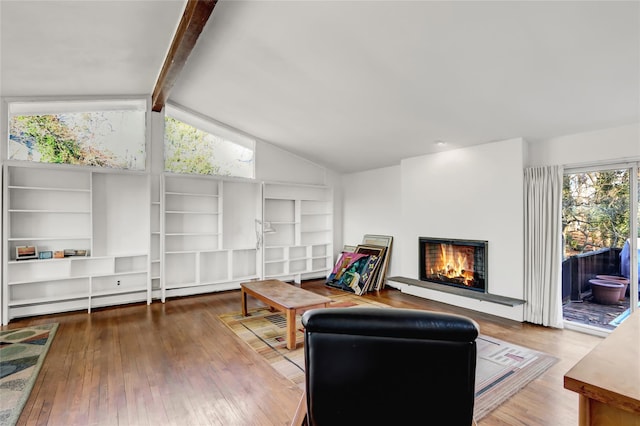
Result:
[195,145]
[88,133]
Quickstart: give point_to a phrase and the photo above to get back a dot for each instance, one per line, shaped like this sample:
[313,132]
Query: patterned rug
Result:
[22,351]
[501,371]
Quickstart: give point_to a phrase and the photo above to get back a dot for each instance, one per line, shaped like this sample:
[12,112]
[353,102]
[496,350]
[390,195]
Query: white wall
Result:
[372,205]
[275,164]
[471,193]
[474,193]
[156,155]
[607,145]
[334,180]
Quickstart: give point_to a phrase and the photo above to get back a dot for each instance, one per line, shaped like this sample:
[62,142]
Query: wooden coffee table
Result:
[285,298]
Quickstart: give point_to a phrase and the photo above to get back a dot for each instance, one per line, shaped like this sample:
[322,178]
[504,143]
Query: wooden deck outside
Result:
[590,313]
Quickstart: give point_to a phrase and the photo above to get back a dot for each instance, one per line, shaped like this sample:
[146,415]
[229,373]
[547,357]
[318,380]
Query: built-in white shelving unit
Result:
[54,209]
[301,220]
[155,238]
[152,236]
[208,234]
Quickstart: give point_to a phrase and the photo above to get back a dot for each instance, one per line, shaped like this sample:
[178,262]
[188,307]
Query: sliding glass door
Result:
[600,238]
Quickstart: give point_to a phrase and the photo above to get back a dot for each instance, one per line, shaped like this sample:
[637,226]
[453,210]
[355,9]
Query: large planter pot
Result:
[616,279]
[605,292]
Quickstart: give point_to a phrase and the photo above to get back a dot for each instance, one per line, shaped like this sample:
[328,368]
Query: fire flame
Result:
[454,264]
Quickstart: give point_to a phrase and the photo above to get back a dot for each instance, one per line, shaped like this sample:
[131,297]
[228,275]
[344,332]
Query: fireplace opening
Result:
[458,263]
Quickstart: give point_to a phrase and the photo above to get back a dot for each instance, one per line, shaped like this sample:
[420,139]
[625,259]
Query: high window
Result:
[196,145]
[89,133]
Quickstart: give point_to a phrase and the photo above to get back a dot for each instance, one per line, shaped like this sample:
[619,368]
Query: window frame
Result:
[213,127]
[67,103]
[633,167]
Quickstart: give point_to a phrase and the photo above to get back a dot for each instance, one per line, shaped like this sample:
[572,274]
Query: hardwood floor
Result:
[177,364]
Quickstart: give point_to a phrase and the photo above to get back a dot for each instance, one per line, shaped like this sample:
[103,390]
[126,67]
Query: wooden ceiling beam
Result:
[195,16]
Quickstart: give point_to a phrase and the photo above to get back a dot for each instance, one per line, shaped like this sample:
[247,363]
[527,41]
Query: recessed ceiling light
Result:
[440,142]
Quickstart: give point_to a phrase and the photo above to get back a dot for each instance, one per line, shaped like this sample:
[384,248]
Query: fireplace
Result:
[458,263]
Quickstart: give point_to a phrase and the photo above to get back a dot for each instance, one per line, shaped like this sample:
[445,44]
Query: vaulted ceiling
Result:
[351,85]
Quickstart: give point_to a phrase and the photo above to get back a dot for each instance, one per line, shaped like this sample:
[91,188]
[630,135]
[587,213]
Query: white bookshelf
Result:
[155,236]
[302,217]
[55,209]
[152,236]
[209,242]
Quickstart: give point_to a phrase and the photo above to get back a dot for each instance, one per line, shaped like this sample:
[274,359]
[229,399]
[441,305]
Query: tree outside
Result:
[194,151]
[595,210]
[71,138]
[188,149]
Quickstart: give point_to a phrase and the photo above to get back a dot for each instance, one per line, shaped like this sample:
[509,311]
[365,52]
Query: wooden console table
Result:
[284,297]
[608,378]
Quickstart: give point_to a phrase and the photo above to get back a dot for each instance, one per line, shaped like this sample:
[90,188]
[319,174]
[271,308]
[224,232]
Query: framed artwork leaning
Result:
[380,240]
[362,268]
[376,253]
[346,272]
[348,249]
[371,249]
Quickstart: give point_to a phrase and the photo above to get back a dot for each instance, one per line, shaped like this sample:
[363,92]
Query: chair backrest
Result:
[379,366]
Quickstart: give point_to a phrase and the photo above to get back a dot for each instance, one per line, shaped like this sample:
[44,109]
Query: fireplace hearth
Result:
[454,262]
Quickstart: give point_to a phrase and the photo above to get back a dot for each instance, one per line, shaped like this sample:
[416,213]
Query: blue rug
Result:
[22,352]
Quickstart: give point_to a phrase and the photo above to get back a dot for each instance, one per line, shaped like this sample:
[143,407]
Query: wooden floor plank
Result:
[177,363]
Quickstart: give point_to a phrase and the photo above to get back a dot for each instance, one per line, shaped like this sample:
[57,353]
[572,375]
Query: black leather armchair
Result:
[377,366]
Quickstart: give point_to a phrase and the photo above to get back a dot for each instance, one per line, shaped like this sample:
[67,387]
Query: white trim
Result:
[69,104]
[4,129]
[632,166]
[76,167]
[584,328]
[59,106]
[633,242]
[148,143]
[600,166]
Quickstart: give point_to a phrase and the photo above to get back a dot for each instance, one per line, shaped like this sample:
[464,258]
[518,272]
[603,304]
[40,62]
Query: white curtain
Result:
[543,245]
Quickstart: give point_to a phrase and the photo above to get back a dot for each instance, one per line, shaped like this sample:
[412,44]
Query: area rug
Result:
[502,368]
[22,352]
